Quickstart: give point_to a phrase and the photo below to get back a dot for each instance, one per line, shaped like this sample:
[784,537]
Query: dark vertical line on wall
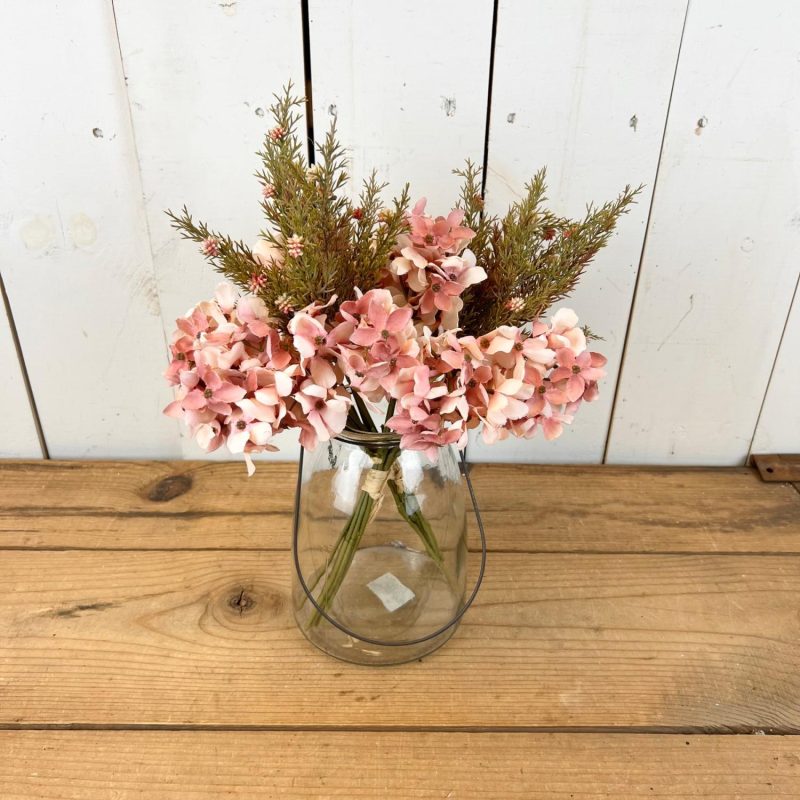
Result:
[487,129]
[644,241]
[307,75]
[24,370]
[795,299]
[489,99]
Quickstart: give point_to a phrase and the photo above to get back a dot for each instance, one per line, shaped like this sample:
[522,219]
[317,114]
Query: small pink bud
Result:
[294,246]
[257,282]
[277,133]
[284,304]
[210,247]
[268,190]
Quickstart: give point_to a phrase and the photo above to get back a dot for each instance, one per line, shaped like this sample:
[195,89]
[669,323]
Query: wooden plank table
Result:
[637,635]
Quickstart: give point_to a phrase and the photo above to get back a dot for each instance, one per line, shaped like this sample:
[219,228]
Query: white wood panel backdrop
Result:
[74,249]
[95,275]
[778,428]
[721,260]
[410,101]
[200,77]
[19,437]
[582,87]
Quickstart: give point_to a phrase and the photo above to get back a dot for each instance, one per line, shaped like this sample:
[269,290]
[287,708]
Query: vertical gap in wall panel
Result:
[145,219]
[489,100]
[487,128]
[644,241]
[795,298]
[307,75]
[23,370]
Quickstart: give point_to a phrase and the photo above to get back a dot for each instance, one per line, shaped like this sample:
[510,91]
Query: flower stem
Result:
[348,543]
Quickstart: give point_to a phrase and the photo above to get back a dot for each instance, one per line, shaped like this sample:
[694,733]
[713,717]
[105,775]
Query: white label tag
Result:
[390,591]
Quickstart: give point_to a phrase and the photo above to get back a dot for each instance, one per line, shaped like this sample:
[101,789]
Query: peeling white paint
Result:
[82,230]
[39,232]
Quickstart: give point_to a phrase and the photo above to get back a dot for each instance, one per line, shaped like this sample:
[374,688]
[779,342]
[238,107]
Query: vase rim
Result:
[379,438]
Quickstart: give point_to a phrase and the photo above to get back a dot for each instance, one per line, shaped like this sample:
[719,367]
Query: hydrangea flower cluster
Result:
[242,376]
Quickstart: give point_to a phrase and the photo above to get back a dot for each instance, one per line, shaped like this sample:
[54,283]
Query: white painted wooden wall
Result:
[113,111]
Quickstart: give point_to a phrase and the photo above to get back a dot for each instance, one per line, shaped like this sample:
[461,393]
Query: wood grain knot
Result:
[242,602]
[169,488]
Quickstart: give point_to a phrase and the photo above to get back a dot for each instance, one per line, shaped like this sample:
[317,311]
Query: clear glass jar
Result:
[380,549]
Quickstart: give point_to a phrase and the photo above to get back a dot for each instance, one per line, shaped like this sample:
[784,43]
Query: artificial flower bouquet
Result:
[345,308]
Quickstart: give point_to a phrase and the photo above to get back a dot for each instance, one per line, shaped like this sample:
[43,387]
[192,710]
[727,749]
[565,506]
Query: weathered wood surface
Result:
[147,646]
[778,467]
[646,641]
[90,765]
[161,505]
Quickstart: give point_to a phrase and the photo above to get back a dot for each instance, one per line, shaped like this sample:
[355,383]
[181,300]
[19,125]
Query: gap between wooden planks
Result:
[202,765]
[163,505]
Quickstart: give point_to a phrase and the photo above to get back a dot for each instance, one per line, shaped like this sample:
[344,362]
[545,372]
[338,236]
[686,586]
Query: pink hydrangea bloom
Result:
[576,372]
[242,376]
[445,234]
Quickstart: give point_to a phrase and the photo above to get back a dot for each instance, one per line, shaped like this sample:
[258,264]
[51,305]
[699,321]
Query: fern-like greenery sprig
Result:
[532,257]
[321,245]
[342,246]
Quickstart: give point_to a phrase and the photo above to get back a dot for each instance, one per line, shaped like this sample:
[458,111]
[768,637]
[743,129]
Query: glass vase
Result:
[380,548]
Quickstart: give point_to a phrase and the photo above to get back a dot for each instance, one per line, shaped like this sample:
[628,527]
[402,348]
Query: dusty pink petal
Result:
[365,337]
[471,276]
[418,280]
[237,439]
[318,423]
[565,357]
[574,388]
[198,417]
[592,374]
[552,428]
[253,312]
[322,373]
[442,301]
[220,408]
[399,319]
[174,409]
[260,433]
[267,254]
[335,415]
[226,295]
[195,399]
[205,435]
[189,379]
[283,383]
[560,374]
[591,392]
[499,344]
[564,319]
[264,412]
[229,393]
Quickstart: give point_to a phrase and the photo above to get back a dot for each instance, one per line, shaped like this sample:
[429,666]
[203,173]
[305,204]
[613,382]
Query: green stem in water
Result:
[349,540]
[346,546]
